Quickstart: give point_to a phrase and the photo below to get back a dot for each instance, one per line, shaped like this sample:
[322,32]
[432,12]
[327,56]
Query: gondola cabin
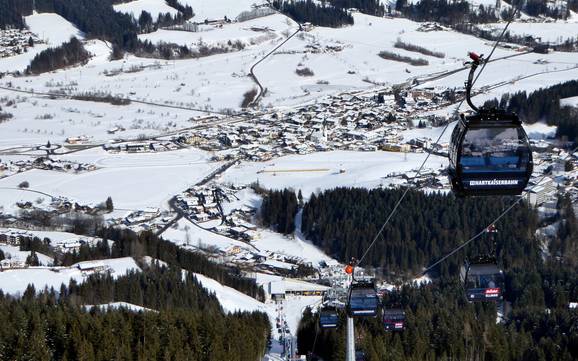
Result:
[362,300]
[483,282]
[328,318]
[393,319]
[489,155]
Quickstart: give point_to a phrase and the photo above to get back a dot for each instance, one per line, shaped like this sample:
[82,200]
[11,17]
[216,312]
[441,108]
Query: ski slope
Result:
[232,301]
[154,7]
[52,28]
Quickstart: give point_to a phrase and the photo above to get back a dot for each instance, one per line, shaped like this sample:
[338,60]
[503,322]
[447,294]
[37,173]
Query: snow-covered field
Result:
[553,32]
[134,181]
[218,9]
[15,254]
[9,196]
[154,7]
[252,32]
[16,281]
[316,172]
[569,102]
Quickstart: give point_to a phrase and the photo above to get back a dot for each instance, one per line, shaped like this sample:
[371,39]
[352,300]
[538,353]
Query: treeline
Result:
[12,11]
[67,54]
[185,10]
[190,324]
[175,51]
[118,243]
[418,49]
[443,11]
[460,12]
[343,221]
[101,97]
[541,8]
[369,7]
[311,12]
[544,105]
[388,55]
[279,209]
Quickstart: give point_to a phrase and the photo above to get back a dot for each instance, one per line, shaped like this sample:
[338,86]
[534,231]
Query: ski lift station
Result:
[279,289]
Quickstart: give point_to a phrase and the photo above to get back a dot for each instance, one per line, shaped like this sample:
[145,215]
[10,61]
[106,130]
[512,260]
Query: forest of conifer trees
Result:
[343,222]
[67,54]
[441,324]
[187,323]
[311,12]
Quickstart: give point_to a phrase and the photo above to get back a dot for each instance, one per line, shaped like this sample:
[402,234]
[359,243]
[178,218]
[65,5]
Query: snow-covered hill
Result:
[154,7]
[15,281]
[52,28]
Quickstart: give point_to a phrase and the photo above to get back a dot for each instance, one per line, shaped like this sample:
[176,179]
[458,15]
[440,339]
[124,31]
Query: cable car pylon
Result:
[350,350]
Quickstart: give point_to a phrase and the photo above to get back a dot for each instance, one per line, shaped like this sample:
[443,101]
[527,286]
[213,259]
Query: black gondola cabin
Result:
[362,300]
[489,155]
[328,318]
[483,282]
[393,319]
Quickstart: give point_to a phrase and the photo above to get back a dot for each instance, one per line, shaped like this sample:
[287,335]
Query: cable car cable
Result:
[316,332]
[394,210]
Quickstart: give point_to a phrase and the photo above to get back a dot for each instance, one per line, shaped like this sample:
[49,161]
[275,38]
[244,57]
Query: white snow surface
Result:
[11,195]
[134,181]
[362,169]
[189,234]
[540,131]
[294,245]
[219,81]
[218,9]
[16,254]
[554,32]
[52,28]
[154,7]
[569,102]
[213,35]
[15,281]
[232,300]
[118,306]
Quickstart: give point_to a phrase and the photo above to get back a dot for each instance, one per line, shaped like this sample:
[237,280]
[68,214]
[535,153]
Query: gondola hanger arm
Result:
[476,60]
